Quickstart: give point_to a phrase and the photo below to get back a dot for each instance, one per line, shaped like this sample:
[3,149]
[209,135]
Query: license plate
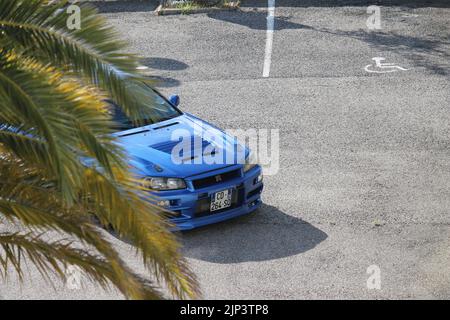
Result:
[221,200]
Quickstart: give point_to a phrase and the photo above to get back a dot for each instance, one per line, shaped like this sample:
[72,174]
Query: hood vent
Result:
[133,133]
[167,147]
[166,125]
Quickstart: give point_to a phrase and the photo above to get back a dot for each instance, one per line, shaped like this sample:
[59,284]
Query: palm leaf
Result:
[53,82]
[55,257]
[93,52]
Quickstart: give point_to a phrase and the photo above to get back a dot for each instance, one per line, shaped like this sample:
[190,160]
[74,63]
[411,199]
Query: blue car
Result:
[192,168]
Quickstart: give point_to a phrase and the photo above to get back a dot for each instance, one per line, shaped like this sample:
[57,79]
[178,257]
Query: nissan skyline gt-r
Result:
[195,170]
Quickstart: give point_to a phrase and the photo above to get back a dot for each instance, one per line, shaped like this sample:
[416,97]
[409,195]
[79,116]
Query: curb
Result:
[160,11]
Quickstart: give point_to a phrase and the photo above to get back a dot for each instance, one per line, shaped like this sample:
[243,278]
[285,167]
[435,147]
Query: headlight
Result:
[160,183]
[250,162]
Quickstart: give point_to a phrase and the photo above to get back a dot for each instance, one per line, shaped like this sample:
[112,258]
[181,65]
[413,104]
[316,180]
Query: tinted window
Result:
[157,109]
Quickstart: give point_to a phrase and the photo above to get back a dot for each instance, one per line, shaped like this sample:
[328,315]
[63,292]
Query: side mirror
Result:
[174,99]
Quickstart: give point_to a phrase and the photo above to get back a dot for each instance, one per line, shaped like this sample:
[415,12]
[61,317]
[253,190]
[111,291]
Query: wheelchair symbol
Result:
[380,67]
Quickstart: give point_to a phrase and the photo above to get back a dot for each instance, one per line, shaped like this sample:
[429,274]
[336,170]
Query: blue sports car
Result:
[193,169]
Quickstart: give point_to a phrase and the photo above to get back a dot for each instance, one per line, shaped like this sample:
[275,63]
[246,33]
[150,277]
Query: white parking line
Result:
[269,37]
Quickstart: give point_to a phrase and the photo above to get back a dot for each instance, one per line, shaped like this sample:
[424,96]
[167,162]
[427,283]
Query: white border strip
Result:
[269,37]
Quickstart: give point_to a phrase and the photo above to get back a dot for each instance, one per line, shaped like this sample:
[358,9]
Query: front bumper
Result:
[191,205]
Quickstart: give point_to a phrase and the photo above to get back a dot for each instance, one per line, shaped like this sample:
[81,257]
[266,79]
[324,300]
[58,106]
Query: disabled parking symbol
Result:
[382,67]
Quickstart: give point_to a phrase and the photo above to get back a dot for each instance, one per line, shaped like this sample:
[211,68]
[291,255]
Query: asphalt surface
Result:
[364,173]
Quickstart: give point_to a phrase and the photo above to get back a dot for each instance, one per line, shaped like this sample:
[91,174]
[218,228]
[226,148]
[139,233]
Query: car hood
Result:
[180,147]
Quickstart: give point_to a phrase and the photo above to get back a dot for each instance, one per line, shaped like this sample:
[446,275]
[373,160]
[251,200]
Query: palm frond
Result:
[93,52]
[53,82]
[146,231]
[31,200]
[67,117]
[55,257]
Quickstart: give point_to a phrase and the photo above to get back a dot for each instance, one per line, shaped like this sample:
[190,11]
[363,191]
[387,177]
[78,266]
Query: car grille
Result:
[203,205]
[215,179]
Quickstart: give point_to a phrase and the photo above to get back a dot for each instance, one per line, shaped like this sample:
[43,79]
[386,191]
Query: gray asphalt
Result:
[364,173]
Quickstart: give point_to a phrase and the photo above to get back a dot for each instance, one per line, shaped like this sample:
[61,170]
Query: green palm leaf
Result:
[53,82]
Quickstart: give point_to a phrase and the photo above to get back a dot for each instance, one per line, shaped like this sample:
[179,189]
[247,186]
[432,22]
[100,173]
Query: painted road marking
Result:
[269,37]
[382,67]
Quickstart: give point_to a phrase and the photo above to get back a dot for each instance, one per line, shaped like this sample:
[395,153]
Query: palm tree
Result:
[53,82]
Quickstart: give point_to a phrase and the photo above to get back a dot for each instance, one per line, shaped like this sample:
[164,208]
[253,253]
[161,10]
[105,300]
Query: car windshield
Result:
[158,109]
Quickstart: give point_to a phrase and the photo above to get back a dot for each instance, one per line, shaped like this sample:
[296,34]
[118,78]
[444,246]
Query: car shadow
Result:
[266,234]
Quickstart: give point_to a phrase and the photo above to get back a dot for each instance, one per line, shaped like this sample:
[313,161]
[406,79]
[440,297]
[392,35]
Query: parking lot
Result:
[364,176]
